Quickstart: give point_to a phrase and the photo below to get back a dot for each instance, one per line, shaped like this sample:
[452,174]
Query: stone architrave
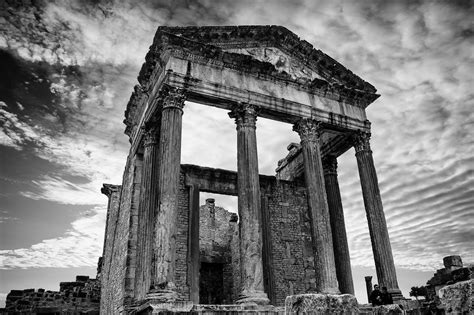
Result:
[338,226]
[147,208]
[166,216]
[381,247]
[249,206]
[326,280]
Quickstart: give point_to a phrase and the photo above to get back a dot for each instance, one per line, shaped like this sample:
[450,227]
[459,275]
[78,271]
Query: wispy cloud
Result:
[80,246]
[417,54]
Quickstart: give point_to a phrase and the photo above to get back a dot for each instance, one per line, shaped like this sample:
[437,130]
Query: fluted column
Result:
[146,208]
[338,227]
[163,274]
[249,206]
[381,248]
[326,280]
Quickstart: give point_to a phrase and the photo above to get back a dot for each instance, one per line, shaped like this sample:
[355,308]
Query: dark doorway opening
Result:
[211,283]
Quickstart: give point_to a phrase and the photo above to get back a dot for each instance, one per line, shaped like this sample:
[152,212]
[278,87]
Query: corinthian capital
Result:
[308,129]
[173,98]
[245,115]
[362,141]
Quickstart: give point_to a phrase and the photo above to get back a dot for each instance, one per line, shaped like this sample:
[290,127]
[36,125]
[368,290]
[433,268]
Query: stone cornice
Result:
[271,35]
[109,189]
[211,54]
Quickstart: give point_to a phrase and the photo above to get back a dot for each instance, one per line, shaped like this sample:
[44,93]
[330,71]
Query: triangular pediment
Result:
[283,62]
[275,45]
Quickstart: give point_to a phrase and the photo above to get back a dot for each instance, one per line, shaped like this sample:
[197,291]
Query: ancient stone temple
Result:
[289,237]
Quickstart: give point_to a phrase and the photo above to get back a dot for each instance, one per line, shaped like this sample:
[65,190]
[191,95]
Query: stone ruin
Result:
[77,297]
[290,237]
[451,288]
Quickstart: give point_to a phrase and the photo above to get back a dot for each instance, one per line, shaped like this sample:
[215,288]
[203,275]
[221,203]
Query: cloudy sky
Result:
[67,69]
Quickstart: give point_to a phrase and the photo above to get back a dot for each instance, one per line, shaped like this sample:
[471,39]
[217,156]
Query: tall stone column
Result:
[338,227]
[249,206]
[146,209]
[326,280]
[381,248]
[166,216]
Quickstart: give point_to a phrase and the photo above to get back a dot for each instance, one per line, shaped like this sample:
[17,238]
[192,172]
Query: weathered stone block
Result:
[458,298]
[452,261]
[321,304]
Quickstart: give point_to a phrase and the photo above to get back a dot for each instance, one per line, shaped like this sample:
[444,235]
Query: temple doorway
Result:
[218,250]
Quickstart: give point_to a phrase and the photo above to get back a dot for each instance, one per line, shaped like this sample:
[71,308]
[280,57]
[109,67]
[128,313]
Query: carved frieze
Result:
[281,61]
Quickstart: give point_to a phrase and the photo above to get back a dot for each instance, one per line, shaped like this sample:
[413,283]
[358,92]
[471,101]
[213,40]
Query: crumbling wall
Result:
[78,297]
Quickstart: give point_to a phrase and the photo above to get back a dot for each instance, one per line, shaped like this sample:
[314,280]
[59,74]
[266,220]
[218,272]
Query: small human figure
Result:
[386,296]
[375,296]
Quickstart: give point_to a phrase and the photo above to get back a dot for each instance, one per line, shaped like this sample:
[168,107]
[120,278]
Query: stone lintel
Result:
[219,181]
[284,103]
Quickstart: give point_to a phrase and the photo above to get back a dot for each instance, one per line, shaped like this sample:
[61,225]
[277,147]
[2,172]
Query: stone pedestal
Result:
[164,236]
[368,286]
[146,209]
[338,226]
[381,248]
[321,304]
[326,281]
[249,206]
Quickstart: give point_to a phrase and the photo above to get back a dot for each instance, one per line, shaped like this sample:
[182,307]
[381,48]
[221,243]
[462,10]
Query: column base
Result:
[166,295]
[317,303]
[255,297]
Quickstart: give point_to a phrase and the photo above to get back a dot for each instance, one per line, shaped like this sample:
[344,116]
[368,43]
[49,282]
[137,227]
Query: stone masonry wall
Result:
[290,238]
[182,241]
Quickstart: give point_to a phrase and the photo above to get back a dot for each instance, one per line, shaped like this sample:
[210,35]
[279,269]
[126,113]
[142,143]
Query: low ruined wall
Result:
[80,296]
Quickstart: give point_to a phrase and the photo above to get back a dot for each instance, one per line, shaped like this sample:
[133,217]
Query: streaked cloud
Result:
[417,54]
[80,246]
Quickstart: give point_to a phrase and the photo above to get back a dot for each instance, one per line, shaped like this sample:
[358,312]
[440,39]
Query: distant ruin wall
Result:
[78,297]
